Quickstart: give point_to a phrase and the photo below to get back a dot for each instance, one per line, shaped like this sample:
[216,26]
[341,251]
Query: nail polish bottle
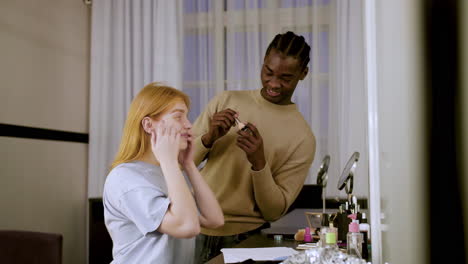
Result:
[307,236]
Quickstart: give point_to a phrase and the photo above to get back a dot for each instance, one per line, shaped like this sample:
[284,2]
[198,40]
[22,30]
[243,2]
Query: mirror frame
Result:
[347,176]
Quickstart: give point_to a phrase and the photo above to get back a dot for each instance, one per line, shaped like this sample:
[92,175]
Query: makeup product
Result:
[354,238]
[329,233]
[328,236]
[364,228]
[364,225]
[241,126]
[342,222]
[307,236]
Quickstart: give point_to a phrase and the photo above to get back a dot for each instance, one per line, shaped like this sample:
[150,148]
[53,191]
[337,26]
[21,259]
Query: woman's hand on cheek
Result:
[165,142]
[186,155]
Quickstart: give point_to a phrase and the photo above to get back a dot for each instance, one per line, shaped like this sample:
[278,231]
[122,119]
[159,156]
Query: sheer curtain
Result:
[133,43]
[224,46]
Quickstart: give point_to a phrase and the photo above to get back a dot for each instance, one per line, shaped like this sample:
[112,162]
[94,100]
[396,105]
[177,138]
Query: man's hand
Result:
[251,142]
[220,124]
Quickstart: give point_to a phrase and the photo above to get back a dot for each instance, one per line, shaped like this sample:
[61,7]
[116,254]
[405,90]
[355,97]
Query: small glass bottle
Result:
[354,238]
[328,236]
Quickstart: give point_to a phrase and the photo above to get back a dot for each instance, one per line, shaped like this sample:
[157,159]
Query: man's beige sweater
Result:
[249,198]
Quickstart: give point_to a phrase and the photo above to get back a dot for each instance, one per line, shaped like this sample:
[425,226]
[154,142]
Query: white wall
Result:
[44,71]
[401,135]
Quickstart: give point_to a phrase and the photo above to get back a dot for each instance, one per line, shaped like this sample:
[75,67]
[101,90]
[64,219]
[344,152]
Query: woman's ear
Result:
[147,124]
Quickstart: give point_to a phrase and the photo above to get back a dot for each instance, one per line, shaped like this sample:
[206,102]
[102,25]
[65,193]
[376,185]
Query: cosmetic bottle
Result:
[307,236]
[364,225]
[342,222]
[354,238]
[328,236]
[364,228]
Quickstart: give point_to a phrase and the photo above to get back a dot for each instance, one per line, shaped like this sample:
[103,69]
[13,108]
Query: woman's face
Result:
[176,116]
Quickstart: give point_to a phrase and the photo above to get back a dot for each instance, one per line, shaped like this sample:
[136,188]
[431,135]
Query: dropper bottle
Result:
[354,237]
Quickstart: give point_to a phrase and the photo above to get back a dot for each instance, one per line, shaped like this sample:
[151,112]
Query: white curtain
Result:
[224,46]
[133,43]
[348,130]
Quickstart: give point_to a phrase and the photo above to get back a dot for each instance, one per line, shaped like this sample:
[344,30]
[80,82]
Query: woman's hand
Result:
[186,156]
[165,142]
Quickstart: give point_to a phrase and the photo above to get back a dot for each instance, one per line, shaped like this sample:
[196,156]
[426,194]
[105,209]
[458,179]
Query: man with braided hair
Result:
[255,173]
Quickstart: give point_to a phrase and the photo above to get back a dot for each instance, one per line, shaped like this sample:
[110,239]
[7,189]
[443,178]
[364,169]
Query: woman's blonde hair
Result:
[152,101]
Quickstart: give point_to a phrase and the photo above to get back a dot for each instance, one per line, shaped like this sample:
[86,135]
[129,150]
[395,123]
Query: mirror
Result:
[346,179]
[322,174]
[322,177]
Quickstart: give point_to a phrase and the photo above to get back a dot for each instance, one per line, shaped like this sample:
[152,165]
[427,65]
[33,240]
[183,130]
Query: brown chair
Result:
[26,247]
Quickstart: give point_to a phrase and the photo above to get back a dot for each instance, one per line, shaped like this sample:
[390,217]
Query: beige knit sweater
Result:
[249,198]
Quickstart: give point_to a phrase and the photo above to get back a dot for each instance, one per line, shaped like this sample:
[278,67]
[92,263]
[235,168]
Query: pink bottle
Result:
[307,236]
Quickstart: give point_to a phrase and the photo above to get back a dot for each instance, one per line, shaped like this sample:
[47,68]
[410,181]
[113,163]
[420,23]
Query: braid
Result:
[291,44]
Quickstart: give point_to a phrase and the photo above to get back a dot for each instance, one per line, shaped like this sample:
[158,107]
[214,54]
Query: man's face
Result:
[280,75]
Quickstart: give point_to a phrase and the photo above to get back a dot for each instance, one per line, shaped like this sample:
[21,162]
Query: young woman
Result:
[149,210]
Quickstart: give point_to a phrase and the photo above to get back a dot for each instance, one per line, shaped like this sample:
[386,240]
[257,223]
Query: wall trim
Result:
[8,130]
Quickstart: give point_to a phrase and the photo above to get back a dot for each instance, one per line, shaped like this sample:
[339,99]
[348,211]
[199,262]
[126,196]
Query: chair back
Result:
[29,247]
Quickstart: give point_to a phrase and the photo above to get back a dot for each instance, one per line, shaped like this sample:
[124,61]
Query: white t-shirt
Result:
[135,202]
